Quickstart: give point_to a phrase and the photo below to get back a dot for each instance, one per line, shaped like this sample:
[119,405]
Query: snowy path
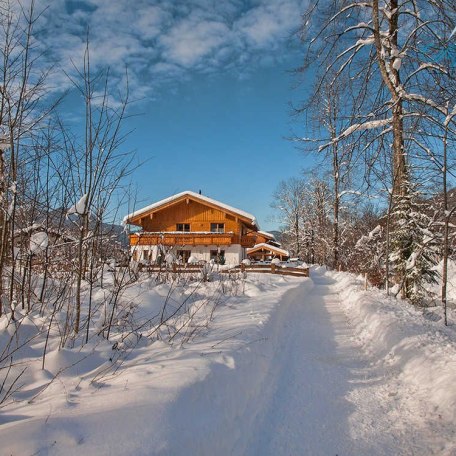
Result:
[306,388]
[316,363]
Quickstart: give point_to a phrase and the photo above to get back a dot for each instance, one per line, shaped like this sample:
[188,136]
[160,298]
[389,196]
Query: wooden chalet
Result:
[192,225]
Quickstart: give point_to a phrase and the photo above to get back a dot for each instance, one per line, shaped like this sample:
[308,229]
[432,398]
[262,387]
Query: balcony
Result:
[182,238]
[195,238]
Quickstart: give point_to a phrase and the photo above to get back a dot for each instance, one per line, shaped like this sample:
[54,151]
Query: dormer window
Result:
[217,227]
[185,227]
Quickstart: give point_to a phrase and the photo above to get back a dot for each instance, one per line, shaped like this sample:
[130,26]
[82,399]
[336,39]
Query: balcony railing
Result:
[247,241]
[189,239]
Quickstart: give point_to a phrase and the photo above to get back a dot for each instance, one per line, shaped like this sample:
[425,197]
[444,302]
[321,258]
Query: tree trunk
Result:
[336,209]
[391,78]
[446,230]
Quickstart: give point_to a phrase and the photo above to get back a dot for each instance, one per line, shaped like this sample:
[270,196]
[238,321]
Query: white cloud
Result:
[151,21]
[169,39]
[193,39]
[270,23]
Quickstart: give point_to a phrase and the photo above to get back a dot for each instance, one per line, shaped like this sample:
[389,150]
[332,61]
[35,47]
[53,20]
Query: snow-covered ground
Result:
[288,366]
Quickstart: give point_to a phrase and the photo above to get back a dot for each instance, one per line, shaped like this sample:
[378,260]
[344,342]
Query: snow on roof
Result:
[266,234]
[269,247]
[194,195]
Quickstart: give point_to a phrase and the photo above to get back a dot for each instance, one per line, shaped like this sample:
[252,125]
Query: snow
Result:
[452,33]
[193,260]
[196,196]
[436,288]
[266,234]
[397,64]
[80,207]
[358,127]
[450,116]
[364,41]
[314,366]
[421,99]
[416,354]
[349,192]
[10,210]
[38,242]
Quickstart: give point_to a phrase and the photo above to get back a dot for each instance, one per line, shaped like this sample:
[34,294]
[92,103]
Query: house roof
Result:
[270,247]
[195,196]
[267,235]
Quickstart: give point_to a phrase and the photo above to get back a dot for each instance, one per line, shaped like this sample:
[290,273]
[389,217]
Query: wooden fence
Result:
[271,269]
[253,268]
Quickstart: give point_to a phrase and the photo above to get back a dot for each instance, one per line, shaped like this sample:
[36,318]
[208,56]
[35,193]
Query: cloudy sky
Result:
[214,84]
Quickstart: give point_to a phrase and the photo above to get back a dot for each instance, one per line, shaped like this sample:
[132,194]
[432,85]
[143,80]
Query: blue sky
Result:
[223,136]
[214,83]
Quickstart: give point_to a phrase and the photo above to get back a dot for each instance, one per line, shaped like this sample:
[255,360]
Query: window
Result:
[217,227]
[218,256]
[183,227]
[183,256]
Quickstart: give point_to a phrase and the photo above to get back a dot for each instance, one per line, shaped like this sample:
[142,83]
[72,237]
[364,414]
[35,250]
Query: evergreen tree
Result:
[414,246]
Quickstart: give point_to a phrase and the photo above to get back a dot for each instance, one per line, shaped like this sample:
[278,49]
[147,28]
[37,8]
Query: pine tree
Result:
[414,247]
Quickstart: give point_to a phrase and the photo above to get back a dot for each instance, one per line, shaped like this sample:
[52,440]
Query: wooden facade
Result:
[200,217]
[189,220]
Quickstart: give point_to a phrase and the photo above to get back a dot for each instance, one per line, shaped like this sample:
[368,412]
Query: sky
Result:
[213,85]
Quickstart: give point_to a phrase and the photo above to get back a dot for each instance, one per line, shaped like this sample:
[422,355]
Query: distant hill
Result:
[277,235]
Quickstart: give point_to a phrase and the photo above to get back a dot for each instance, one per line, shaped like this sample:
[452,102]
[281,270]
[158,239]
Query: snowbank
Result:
[409,341]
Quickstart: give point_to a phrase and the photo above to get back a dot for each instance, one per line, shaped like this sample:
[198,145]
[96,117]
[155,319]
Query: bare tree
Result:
[22,91]
[288,199]
[99,164]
